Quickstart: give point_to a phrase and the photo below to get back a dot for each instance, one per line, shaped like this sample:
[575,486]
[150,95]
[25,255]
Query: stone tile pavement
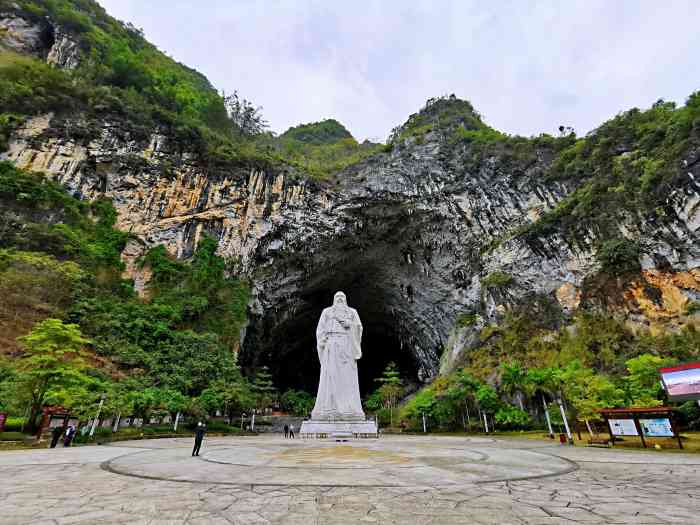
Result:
[395,480]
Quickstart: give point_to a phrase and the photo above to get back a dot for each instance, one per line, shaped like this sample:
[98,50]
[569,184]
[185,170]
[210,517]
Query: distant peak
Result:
[445,112]
[326,131]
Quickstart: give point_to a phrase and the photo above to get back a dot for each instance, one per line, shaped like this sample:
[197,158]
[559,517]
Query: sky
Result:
[527,66]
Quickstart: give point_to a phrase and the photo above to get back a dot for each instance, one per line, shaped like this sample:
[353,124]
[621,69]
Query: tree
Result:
[421,404]
[144,402]
[642,384]
[488,401]
[513,379]
[53,359]
[174,402]
[298,402]
[391,388]
[461,390]
[246,117]
[588,391]
[263,388]
[229,396]
[9,401]
[512,418]
[542,381]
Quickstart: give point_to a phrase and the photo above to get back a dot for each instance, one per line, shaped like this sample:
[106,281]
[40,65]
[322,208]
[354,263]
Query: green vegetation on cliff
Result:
[321,149]
[626,167]
[60,260]
[595,363]
[123,78]
[118,57]
[325,132]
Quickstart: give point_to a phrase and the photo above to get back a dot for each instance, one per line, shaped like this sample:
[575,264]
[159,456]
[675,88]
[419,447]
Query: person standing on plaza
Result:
[198,437]
[286,431]
[56,435]
[68,436]
[291,431]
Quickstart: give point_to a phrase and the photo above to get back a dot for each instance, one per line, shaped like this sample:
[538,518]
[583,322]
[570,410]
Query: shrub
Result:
[497,279]
[220,426]
[690,415]
[618,256]
[512,418]
[464,319]
[11,436]
[298,402]
[14,424]
[157,429]
[384,417]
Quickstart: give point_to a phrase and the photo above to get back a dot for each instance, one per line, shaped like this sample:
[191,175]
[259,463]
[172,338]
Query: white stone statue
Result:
[338,338]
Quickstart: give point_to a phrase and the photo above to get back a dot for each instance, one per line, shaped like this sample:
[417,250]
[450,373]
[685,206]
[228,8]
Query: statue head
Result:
[339,299]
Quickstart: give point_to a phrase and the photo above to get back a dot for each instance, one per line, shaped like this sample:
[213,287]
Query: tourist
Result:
[198,437]
[291,431]
[69,435]
[286,431]
[56,435]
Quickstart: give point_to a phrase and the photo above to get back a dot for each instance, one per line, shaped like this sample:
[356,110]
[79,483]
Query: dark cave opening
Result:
[284,338]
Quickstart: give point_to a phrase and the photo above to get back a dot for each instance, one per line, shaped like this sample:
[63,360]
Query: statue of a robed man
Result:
[338,338]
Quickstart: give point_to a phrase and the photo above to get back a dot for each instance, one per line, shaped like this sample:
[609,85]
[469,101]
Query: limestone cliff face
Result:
[44,40]
[409,235]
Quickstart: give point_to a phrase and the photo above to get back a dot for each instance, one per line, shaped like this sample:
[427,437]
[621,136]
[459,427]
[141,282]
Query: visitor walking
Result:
[56,435]
[68,436]
[198,437]
[291,431]
[286,431]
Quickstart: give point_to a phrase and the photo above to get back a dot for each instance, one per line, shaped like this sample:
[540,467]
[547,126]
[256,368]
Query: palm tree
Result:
[513,379]
[542,381]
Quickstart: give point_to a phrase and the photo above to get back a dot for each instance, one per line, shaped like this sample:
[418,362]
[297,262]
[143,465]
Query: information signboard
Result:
[623,427]
[660,427]
[682,382]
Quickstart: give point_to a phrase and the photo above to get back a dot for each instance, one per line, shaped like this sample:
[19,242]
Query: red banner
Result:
[678,368]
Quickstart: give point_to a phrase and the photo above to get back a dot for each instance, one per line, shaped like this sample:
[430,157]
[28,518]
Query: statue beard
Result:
[341,312]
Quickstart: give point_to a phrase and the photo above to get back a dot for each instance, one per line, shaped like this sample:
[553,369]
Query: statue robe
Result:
[338,338]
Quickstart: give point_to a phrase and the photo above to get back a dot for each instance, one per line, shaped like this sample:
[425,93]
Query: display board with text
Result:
[659,427]
[623,427]
[682,382]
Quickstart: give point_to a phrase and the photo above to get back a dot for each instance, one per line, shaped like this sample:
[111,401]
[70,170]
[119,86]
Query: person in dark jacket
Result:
[56,435]
[199,437]
[68,436]
[286,431]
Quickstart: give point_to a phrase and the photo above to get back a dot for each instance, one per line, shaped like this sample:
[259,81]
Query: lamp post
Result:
[425,430]
[97,416]
[566,423]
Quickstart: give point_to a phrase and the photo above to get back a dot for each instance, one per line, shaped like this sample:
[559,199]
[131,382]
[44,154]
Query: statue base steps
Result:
[339,429]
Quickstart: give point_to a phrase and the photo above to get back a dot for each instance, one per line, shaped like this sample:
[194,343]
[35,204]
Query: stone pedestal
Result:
[344,429]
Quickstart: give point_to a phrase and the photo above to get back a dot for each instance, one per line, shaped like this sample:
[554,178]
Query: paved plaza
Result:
[394,480]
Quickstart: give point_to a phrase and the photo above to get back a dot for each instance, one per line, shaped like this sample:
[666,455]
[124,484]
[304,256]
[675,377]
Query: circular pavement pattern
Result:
[386,462]
[396,480]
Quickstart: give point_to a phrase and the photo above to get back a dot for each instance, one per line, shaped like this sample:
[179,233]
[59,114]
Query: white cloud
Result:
[526,66]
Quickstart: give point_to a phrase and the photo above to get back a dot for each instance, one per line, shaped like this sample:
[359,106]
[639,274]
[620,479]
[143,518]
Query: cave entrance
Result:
[284,338]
